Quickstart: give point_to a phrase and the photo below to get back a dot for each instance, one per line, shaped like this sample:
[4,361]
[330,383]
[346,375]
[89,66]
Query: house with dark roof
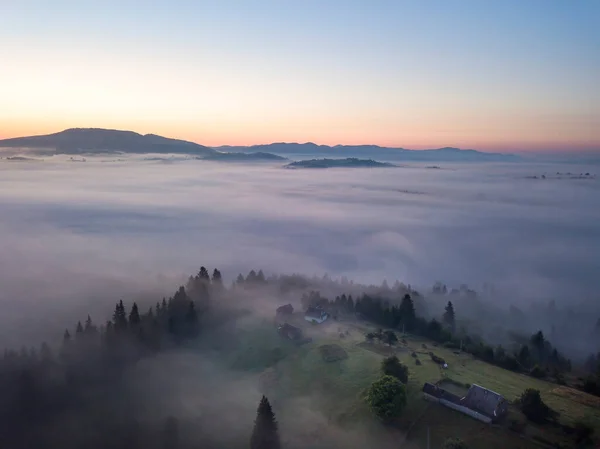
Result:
[315,314]
[288,331]
[286,310]
[479,402]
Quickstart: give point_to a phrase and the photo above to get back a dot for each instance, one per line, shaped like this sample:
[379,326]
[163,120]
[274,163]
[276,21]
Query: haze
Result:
[90,233]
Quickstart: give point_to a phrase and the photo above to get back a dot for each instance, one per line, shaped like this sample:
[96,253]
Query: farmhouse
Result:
[284,310]
[315,315]
[288,331]
[479,402]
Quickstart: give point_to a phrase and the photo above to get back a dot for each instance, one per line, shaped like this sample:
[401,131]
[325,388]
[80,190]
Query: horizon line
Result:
[506,151]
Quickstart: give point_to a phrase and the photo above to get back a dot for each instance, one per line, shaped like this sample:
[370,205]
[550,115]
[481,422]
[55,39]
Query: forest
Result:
[74,394]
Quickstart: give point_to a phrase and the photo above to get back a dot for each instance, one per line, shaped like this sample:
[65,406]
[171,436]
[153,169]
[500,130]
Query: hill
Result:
[90,140]
[338,163]
[243,157]
[446,154]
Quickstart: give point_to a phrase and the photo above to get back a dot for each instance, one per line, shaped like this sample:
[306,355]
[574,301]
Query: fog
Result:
[87,234]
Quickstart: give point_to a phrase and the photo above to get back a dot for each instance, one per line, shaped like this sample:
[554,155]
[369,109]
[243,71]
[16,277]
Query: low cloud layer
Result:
[78,236]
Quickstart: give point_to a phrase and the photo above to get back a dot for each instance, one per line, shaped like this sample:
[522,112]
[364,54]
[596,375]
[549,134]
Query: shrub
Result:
[538,372]
[583,432]
[417,362]
[391,366]
[387,398]
[454,443]
[413,354]
[534,408]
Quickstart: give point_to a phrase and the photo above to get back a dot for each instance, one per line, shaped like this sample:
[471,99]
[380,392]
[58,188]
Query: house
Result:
[486,401]
[479,402]
[284,310]
[288,331]
[315,315]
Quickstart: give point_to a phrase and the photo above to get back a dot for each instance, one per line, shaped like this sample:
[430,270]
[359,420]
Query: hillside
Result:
[446,154]
[96,140]
[338,163]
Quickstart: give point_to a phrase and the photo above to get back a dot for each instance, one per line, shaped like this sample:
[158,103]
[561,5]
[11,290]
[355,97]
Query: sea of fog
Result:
[77,236]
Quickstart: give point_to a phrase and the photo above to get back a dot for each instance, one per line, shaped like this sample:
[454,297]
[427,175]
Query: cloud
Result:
[86,234]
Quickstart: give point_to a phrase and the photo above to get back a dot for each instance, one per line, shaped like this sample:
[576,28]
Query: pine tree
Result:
[449,317]
[265,434]
[79,330]
[217,279]
[90,329]
[240,279]
[119,317]
[407,312]
[203,275]
[260,277]
[134,316]
[191,319]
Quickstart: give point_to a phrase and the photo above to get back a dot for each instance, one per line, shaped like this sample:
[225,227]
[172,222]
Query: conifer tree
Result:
[449,317]
[90,329]
[407,312]
[265,434]
[217,279]
[79,330]
[203,275]
[119,317]
[191,319]
[134,316]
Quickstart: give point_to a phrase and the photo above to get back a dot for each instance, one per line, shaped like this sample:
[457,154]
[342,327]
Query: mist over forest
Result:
[515,254]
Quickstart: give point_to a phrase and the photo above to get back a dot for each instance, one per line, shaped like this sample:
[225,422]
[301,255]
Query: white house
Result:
[315,315]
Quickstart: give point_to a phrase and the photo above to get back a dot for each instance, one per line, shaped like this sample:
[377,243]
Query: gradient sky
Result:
[501,75]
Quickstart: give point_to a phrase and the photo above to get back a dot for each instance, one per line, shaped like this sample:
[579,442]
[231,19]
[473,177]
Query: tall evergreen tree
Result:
[407,312]
[203,274]
[119,317]
[78,330]
[192,322]
[449,317]
[217,279]
[90,328]
[134,316]
[265,434]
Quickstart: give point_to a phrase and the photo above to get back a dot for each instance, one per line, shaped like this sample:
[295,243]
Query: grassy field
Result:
[336,388]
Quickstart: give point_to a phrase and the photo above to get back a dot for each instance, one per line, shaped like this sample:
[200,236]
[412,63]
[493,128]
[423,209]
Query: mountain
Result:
[338,163]
[89,140]
[446,154]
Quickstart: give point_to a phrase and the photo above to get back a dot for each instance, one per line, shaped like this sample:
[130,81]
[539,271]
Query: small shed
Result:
[288,309]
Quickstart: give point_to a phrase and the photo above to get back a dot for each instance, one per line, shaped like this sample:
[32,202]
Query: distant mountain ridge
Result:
[85,140]
[375,151]
[97,140]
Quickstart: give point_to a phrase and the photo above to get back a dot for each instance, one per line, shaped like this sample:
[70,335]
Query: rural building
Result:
[315,315]
[288,331]
[479,402]
[284,310]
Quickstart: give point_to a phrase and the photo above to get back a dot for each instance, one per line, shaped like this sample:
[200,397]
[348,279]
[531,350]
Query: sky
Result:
[501,76]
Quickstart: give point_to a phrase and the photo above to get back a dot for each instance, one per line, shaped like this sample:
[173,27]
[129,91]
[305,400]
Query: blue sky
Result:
[512,75]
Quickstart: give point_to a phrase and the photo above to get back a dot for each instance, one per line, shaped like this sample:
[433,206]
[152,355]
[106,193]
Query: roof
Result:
[285,309]
[440,393]
[483,400]
[314,312]
[290,331]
